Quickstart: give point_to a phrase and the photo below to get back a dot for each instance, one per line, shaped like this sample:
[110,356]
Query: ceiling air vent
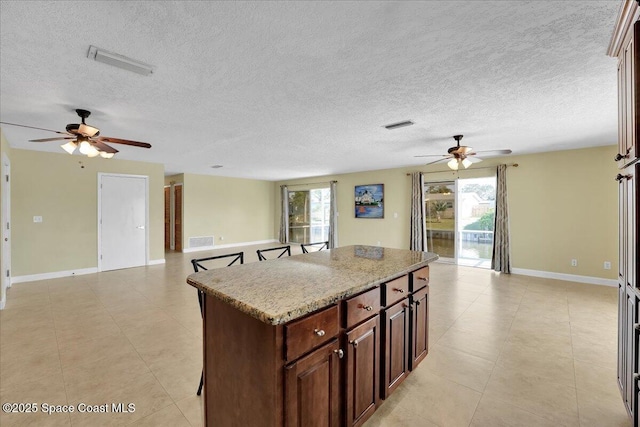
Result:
[399,125]
[120,61]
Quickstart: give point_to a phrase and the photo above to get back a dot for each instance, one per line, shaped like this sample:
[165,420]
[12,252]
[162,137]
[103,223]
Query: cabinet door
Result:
[631,227]
[419,327]
[622,337]
[362,371]
[628,142]
[622,141]
[631,354]
[312,389]
[396,346]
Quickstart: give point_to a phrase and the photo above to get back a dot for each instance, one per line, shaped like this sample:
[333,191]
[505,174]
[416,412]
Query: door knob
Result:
[140,227]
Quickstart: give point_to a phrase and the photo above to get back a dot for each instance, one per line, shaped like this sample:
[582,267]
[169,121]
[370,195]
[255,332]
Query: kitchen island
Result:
[315,339]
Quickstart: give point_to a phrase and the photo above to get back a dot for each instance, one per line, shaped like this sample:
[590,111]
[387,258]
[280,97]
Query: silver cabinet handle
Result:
[354,343]
[399,290]
[318,332]
[424,279]
[339,352]
[367,307]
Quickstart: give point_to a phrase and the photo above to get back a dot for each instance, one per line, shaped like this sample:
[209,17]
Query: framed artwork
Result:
[369,201]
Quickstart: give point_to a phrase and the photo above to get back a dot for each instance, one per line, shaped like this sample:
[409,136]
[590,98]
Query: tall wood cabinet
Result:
[625,45]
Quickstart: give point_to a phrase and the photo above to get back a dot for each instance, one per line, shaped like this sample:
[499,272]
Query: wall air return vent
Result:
[399,125]
[120,61]
[201,242]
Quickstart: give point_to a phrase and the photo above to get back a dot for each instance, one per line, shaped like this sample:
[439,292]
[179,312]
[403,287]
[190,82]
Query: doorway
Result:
[123,218]
[309,213]
[460,218]
[173,217]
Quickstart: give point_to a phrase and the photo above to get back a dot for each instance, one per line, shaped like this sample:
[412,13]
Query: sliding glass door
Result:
[309,215]
[475,221]
[440,200]
[460,218]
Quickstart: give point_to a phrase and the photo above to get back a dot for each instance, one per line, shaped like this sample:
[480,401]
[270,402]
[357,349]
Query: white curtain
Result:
[501,259]
[333,215]
[418,239]
[284,218]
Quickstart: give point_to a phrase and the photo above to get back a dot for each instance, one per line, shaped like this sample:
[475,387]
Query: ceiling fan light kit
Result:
[85,138]
[461,155]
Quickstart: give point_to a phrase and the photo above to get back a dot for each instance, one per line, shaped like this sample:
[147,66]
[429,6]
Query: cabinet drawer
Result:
[305,334]
[362,307]
[419,279]
[395,290]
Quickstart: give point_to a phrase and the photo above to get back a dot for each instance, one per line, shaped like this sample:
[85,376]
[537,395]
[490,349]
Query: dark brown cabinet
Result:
[396,346]
[628,126]
[362,360]
[625,45]
[622,336]
[419,327]
[313,389]
[630,393]
[329,368]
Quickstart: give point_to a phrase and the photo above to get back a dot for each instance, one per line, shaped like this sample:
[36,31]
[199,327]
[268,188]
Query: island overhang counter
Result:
[279,346]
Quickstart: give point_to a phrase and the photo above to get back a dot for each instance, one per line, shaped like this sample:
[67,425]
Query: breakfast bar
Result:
[318,339]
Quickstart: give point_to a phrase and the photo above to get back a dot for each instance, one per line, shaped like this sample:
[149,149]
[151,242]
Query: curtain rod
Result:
[515,165]
[310,183]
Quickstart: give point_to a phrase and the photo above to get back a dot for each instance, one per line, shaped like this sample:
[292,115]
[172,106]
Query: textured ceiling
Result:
[279,90]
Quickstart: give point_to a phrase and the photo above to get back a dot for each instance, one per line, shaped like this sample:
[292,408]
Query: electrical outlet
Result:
[574,263]
[378,244]
[221,238]
[37,219]
[607,265]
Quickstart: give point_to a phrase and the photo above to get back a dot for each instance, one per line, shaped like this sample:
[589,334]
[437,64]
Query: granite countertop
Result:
[280,290]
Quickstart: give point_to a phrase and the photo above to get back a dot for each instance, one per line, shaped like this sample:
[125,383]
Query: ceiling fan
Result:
[462,155]
[86,137]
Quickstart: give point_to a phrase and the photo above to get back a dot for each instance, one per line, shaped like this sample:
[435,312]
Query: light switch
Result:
[37,219]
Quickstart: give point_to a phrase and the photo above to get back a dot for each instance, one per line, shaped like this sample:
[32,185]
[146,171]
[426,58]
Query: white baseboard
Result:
[568,277]
[229,245]
[53,275]
[156,261]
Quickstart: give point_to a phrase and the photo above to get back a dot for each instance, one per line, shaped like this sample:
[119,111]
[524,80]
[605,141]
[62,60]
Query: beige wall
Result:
[56,187]
[563,205]
[237,210]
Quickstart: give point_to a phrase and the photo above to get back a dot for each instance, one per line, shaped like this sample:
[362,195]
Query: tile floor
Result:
[504,351]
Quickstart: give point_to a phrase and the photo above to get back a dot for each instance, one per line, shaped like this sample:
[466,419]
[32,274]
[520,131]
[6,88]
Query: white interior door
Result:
[123,221]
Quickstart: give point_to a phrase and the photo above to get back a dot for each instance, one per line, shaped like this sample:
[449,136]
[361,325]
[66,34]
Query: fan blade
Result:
[439,160]
[101,146]
[59,138]
[122,141]
[33,127]
[490,152]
